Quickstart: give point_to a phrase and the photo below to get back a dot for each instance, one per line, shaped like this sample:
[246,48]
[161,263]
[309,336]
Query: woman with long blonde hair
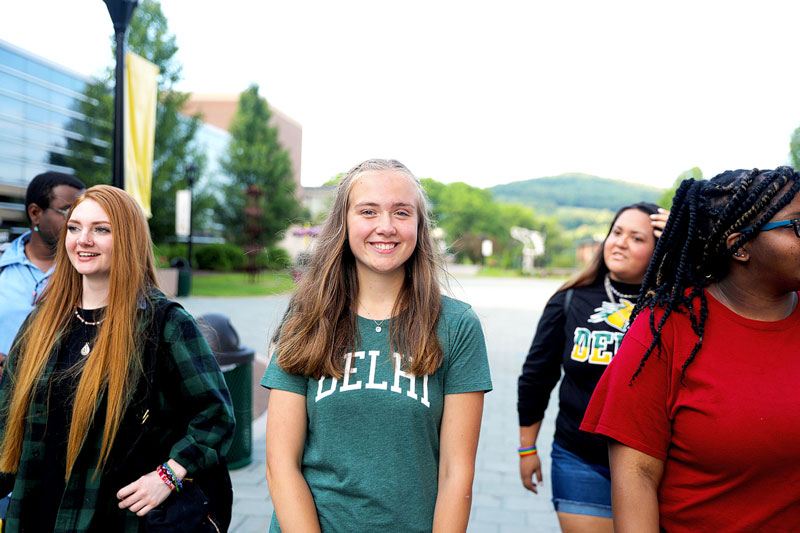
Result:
[111,395]
[378,379]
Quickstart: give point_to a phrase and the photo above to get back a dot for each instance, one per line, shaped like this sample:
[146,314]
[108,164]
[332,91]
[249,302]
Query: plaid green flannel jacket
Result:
[195,415]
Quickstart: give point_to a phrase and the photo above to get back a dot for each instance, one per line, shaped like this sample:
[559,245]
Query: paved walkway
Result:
[509,310]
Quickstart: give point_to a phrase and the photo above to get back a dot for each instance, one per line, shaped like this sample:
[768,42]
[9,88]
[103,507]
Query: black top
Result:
[63,385]
[582,341]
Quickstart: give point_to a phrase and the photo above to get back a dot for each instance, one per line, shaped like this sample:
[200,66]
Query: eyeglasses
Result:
[64,212]
[794,222]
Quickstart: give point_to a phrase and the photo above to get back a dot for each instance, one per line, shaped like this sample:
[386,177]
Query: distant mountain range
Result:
[575,190]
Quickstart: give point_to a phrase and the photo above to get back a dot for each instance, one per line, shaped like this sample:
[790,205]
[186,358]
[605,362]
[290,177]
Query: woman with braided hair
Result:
[700,404]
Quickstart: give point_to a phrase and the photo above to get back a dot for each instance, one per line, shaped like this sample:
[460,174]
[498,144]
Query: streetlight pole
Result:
[121,12]
[191,178]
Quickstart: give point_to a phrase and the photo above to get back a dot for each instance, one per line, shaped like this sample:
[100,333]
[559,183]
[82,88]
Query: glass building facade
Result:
[40,116]
[45,123]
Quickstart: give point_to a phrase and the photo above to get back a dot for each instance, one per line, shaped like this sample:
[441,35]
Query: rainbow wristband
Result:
[526,450]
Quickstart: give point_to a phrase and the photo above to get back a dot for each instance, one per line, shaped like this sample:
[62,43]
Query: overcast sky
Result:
[482,92]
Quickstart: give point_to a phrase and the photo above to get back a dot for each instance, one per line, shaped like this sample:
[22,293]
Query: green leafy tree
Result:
[665,200]
[468,215]
[794,150]
[175,149]
[89,152]
[255,157]
[334,181]
[465,213]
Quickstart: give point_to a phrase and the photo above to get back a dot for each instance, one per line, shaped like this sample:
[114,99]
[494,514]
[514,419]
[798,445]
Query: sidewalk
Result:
[509,310]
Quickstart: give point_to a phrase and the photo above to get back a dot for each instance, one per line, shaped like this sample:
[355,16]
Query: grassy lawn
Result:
[497,272]
[239,284]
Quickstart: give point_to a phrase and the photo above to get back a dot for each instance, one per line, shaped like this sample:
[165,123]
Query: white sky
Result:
[483,92]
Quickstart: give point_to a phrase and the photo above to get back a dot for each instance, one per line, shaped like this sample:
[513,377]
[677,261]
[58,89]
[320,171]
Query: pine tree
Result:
[255,161]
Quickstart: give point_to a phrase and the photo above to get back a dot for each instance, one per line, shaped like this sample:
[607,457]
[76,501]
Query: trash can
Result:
[236,363]
[184,275]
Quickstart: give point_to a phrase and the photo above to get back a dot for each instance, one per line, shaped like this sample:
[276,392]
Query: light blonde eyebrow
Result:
[375,204]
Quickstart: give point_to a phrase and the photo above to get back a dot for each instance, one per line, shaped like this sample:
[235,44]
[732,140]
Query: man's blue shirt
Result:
[19,280]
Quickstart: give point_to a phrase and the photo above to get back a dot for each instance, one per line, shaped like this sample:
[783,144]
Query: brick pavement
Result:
[509,310]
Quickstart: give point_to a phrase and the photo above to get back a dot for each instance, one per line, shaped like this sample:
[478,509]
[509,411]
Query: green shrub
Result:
[563,260]
[273,258]
[221,257]
[167,252]
[162,260]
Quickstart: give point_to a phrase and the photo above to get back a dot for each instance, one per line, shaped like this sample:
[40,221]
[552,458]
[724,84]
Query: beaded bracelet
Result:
[168,476]
[173,476]
[526,450]
[165,477]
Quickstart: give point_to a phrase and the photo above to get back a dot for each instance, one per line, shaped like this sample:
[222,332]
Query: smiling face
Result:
[629,246]
[382,220]
[89,240]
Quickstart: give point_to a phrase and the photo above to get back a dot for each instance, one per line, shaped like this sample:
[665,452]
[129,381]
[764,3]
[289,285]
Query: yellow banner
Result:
[141,101]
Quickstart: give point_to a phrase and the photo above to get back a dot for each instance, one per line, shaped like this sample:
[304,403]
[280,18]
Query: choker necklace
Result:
[86,347]
[378,323]
[611,291]
[87,323]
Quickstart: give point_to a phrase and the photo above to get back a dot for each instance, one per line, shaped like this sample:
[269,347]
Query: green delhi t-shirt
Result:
[371,454]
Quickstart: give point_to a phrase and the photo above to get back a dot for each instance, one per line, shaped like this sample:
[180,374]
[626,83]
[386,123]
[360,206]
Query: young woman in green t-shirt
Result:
[378,380]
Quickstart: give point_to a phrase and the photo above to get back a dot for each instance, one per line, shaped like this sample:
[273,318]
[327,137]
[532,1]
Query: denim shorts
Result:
[579,487]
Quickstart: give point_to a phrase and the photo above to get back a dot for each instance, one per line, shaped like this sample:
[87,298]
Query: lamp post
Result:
[191,178]
[121,12]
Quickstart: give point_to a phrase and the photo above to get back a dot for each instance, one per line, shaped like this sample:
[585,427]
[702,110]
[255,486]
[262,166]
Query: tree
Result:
[89,154]
[794,150]
[255,158]
[468,215]
[334,181]
[465,213]
[666,199]
[174,149]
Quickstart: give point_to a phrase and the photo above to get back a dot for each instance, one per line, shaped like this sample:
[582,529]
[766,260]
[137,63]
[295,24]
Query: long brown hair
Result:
[320,325]
[597,267]
[115,363]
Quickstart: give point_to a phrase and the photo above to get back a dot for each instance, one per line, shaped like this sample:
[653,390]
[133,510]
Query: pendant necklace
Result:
[86,347]
[378,323]
[36,287]
[611,291]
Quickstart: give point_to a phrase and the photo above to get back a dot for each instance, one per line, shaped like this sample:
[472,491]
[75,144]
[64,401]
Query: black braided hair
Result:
[692,252]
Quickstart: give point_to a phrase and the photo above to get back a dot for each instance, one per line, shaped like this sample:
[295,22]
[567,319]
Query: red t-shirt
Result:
[729,435]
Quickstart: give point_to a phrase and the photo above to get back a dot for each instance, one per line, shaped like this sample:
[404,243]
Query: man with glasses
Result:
[28,261]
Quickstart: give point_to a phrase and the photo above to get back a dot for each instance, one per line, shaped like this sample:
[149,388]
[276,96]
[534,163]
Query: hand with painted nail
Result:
[658,221]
